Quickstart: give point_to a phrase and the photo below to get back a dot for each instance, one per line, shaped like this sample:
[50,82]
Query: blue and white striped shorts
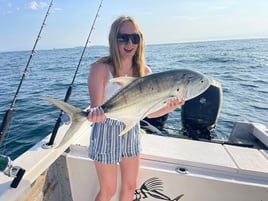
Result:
[106,146]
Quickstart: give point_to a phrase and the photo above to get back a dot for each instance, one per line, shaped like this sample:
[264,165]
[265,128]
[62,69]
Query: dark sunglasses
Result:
[124,38]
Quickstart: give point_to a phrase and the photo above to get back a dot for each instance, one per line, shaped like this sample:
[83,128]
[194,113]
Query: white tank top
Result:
[111,88]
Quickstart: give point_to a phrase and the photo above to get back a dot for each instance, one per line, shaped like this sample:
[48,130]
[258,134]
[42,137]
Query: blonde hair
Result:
[114,57]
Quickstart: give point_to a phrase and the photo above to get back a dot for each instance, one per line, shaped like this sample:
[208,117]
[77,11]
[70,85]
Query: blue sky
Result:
[162,21]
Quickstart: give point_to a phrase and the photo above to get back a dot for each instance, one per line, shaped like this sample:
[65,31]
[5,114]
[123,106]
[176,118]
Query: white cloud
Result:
[35,5]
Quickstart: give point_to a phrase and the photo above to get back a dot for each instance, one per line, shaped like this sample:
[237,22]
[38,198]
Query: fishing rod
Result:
[6,164]
[9,112]
[69,91]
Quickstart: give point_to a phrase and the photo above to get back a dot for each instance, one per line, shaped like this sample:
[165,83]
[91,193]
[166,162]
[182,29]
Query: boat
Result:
[187,168]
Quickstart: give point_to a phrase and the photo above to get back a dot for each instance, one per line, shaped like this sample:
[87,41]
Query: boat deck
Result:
[225,158]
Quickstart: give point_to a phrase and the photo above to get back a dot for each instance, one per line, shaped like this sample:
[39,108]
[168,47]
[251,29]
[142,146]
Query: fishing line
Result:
[9,112]
[69,91]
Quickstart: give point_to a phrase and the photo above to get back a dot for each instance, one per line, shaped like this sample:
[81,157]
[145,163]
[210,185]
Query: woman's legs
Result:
[129,173]
[107,174]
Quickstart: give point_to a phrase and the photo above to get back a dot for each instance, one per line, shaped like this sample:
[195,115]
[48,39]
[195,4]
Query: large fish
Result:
[140,97]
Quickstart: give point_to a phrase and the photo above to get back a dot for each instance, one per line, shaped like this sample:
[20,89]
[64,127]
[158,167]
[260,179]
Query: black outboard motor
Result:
[200,114]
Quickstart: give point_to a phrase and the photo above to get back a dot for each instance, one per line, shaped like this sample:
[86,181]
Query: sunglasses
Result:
[124,38]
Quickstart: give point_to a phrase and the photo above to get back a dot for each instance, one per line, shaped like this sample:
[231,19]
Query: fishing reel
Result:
[8,169]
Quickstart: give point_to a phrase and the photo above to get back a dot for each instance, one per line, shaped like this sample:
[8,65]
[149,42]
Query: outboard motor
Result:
[200,114]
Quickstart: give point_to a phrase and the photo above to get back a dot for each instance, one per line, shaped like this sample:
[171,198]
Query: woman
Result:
[107,148]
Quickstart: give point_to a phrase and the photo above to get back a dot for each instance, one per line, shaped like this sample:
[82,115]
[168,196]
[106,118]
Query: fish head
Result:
[190,84]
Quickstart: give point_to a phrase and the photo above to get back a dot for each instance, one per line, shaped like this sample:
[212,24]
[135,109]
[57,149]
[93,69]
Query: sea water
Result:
[241,66]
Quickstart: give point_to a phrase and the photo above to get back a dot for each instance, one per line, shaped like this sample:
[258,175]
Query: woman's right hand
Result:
[96,114]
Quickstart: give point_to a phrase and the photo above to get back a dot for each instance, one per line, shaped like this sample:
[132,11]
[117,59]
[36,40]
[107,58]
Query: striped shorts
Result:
[106,146]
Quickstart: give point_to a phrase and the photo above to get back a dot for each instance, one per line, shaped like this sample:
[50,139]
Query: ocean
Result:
[241,66]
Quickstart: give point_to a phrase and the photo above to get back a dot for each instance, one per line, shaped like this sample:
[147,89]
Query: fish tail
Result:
[76,114]
[73,112]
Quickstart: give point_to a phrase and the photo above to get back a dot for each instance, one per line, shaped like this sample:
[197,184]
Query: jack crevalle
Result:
[140,97]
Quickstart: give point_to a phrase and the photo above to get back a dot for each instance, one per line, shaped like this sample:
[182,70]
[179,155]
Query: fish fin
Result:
[123,80]
[69,109]
[128,125]
[76,114]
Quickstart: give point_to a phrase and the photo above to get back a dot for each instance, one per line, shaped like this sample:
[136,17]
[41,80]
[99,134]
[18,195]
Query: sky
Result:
[162,21]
